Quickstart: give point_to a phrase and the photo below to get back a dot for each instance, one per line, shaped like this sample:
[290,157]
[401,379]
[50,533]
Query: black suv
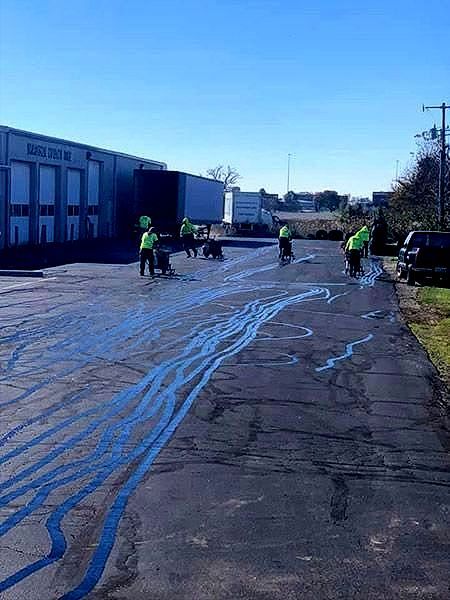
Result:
[425,254]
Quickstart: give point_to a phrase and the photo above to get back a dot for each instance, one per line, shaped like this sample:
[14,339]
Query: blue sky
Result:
[195,83]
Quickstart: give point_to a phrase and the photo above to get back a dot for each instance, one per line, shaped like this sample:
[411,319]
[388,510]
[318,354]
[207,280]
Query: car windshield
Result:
[430,240]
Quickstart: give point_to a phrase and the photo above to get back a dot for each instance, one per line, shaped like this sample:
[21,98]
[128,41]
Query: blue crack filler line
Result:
[331,362]
[183,368]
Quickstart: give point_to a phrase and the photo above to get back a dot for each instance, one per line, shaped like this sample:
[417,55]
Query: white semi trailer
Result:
[243,211]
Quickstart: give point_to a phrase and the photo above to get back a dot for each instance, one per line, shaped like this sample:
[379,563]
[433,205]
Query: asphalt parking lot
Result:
[241,430]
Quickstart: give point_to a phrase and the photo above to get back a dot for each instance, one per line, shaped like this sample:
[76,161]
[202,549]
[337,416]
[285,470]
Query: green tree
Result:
[328,200]
[352,218]
[415,200]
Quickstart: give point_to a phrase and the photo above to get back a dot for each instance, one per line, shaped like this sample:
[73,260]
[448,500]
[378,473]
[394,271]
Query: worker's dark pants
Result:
[147,255]
[355,262]
[347,262]
[285,247]
[365,250]
[189,244]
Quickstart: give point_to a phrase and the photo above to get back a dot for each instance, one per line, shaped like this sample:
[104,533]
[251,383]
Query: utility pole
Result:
[442,164]
[288,172]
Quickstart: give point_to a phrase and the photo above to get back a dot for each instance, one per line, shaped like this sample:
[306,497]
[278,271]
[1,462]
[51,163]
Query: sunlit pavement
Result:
[242,430]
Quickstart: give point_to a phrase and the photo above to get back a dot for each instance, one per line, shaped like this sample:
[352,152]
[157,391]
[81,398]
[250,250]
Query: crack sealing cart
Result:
[162,261]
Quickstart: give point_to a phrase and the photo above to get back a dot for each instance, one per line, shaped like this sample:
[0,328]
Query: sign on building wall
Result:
[48,152]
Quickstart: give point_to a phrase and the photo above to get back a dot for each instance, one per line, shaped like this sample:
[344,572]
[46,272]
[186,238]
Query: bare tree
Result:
[227,175]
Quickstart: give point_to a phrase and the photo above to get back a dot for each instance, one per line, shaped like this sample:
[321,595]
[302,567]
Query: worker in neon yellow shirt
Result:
[187,232]
[148,241]
[353,251]
[284,242]
[364,234]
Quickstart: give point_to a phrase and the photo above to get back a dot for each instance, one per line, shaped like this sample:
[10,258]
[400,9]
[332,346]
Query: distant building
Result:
[361,201]
[381,198]
[305,201]
[269,201]
[328,200]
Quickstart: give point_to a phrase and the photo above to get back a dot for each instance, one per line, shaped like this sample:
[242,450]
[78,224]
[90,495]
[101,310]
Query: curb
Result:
[14,273]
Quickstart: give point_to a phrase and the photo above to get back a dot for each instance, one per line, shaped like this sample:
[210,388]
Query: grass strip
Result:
[439,298]
[436,339]
[433,331]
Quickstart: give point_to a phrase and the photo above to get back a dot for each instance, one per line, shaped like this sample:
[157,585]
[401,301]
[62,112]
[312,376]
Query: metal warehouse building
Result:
[53,190]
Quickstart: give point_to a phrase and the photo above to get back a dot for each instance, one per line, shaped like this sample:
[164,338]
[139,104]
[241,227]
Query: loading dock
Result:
[55,191]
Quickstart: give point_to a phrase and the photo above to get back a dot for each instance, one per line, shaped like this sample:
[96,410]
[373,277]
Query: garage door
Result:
[73,203]
[93,197]
[19,208]
[47,194]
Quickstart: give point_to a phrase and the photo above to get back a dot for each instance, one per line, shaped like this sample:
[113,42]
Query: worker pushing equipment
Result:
[148,242]
[284,243]
[353,253]
[187,232]
[364,235]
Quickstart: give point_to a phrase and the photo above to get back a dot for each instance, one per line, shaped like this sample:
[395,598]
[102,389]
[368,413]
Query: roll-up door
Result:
[73,203]
[93,197]
[47,194]
[19,209]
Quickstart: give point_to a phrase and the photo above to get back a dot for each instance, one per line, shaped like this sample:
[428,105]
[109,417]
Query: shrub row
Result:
[317,229]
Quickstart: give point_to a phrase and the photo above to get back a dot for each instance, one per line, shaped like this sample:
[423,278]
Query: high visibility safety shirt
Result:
[354,243]
[148,240]
[363,233]
[284,232]
[187,227]
[144,222]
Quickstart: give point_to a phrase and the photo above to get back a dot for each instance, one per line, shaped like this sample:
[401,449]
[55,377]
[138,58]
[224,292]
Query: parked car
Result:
[425,254]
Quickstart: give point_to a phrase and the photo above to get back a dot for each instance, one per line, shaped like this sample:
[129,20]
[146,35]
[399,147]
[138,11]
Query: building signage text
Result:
[49,152]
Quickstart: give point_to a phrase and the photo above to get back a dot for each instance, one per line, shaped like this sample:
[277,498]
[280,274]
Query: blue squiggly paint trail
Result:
[123,434]
[331,362]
